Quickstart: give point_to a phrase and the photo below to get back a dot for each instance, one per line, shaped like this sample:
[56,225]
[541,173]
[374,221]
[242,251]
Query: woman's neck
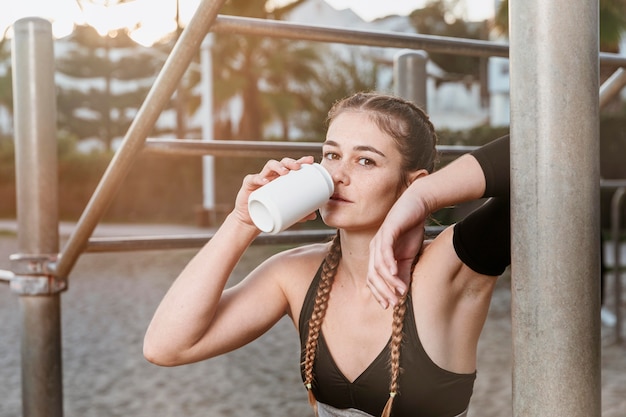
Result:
[355,256]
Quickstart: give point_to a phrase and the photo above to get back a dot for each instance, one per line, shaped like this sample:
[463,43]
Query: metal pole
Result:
[555,208]
[37,214]
[163,88]
[319,33]
[256,149]
[612,86]
[410,76]
[616,205]
[208,162]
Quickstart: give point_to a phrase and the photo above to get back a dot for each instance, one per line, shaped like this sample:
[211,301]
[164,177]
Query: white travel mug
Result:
[282,202]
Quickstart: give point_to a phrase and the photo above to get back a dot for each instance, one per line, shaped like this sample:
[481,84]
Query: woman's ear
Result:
[417,174]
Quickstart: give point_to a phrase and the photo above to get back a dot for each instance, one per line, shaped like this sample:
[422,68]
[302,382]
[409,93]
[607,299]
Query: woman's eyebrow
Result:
[356,148]
[370,149]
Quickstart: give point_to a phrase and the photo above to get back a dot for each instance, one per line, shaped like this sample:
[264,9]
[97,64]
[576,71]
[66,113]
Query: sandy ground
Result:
[111,300]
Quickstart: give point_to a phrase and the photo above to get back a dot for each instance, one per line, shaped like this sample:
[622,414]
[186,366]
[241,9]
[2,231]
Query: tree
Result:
[110,76]
[612,16]
[439,18]
[612,22]
[344,77]
[264,72]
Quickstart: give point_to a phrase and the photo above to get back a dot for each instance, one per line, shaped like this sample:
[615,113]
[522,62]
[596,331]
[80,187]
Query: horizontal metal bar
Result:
[612,184]
[141,243]
[256,148]
[612,59]
[430,43]
[138,243]
[319,33]
[164,86]
[232,147]
[612,86]
[6,275]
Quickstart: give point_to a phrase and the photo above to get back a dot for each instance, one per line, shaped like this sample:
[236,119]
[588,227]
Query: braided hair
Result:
[415,137]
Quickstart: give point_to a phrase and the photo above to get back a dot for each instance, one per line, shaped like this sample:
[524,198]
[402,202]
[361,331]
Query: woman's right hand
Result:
[394,247]
[272,170]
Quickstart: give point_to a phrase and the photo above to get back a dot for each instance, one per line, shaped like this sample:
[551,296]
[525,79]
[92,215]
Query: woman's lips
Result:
[338,198]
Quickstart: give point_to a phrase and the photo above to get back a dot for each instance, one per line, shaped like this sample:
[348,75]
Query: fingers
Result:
[382,275]
[270,171]
[274,169]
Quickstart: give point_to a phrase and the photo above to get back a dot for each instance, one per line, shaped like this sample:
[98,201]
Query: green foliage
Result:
[270,75]
[103,111]
[612,16]
[612,24]
[343,77]
[437,18]
[158,188]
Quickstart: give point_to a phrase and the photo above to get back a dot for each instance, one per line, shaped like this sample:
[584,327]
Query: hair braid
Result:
[395,345]
[329,270]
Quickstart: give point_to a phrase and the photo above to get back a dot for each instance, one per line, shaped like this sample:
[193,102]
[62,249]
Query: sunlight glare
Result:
[149,21]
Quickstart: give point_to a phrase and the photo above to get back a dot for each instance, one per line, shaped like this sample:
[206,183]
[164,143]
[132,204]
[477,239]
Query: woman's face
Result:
[365,165]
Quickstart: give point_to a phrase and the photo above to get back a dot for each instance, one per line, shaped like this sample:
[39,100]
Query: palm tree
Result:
[263,72]
[435,18]
[102,112]
[343,78]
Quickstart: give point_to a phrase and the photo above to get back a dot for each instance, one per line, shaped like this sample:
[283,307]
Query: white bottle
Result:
[289,198]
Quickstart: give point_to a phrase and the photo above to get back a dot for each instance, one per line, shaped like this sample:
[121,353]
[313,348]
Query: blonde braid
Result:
[329,270]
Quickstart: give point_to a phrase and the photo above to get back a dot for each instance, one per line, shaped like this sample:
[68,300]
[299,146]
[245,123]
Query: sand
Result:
[111,300]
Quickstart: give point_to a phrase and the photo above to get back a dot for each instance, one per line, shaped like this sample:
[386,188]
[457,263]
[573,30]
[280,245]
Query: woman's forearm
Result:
[483,173]
[187,310]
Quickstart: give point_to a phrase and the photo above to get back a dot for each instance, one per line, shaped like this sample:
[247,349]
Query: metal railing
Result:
[45,390]
[617,202]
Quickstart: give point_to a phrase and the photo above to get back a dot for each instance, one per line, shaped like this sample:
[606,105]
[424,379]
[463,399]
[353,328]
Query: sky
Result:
[156,17]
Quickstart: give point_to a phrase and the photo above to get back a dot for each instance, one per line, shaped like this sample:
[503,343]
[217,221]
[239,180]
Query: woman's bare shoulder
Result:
[294,270]
[290,264]
[301,254]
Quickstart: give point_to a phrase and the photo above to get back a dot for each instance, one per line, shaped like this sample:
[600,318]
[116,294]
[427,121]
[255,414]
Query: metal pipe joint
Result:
[34,275]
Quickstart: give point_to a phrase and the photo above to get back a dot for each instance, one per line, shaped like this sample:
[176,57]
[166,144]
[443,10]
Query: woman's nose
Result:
[338,173]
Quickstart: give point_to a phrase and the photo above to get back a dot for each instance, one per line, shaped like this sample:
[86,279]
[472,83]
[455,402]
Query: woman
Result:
[358,359]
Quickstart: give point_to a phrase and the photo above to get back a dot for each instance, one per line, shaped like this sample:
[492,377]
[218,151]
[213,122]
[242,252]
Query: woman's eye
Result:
[365,161]
[330,156]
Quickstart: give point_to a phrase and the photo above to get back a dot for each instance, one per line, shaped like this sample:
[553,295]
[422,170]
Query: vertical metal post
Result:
[208,162]
[616,211]
[177,62]
[34,96]
[555,208]
[410,77]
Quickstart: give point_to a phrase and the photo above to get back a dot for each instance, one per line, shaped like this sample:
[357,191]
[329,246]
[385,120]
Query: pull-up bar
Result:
[555,178]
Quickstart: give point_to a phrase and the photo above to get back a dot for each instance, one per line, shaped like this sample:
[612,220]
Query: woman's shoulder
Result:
[294,270]
[305,253]
[298,261]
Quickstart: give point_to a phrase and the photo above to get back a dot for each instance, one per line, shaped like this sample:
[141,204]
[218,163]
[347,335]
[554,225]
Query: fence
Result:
[549,379]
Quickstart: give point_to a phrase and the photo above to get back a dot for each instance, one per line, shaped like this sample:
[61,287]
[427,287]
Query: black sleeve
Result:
[482,240]
[494,159]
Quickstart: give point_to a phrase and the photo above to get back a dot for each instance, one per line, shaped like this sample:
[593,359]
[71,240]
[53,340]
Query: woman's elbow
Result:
[159,354]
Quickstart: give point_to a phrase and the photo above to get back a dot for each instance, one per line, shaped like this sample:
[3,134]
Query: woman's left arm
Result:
[483,173]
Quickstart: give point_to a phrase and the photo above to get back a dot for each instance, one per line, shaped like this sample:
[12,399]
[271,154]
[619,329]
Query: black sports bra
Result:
[425,389]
